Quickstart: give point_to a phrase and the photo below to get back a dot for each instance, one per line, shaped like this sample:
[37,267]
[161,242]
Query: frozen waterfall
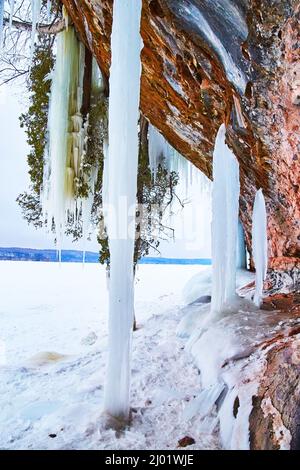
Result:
[122,186]
[67,147]
[225,208]
[55,162]
[259,245]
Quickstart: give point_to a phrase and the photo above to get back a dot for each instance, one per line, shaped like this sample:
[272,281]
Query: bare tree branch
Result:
[53,28]
[17,75]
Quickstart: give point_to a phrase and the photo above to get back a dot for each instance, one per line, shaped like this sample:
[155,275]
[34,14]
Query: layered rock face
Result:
[275,417]
[209,61]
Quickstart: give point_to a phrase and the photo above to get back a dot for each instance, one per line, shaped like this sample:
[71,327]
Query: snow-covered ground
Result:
[53,340]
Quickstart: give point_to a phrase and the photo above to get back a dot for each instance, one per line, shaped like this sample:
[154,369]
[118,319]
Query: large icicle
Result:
[54,179]
[67,134]
[86,209]
[259,244]
[123,162]
[226,190]
[162,153]
[91,179]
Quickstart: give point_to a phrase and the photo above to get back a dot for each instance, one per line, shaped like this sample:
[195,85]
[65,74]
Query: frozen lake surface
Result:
[53,342]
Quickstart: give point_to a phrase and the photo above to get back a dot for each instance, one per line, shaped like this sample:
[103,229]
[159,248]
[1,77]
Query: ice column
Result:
[259,245]
[225,209]
[122,177]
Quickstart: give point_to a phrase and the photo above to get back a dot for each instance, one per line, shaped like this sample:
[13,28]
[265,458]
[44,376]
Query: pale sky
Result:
[194,220]
[14,230]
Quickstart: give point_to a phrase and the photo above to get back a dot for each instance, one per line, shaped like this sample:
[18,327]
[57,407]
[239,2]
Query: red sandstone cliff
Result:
[195,52]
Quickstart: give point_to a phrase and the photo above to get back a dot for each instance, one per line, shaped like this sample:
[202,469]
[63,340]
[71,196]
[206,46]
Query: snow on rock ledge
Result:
[252,358]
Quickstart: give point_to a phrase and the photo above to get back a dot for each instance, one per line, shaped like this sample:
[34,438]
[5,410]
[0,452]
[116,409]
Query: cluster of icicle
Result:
[228,235]
[226,231]
[67,129]
[68,138]
[161,153]
[36,6]
[227,333]
[193,193]
[225,203]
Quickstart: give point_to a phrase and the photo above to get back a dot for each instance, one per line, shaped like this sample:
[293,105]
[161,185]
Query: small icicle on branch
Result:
[36,13]
[11,15]
[51,28]
[34,26]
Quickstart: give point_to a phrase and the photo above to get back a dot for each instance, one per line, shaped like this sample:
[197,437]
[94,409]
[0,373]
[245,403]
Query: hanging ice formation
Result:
[95,125]
[35,12]
[193,190]
[159,149]
[65,17]
[64,178]
[12,10]
[225,207]
[122,177]
[162,153]
[259,245]
[1,22]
